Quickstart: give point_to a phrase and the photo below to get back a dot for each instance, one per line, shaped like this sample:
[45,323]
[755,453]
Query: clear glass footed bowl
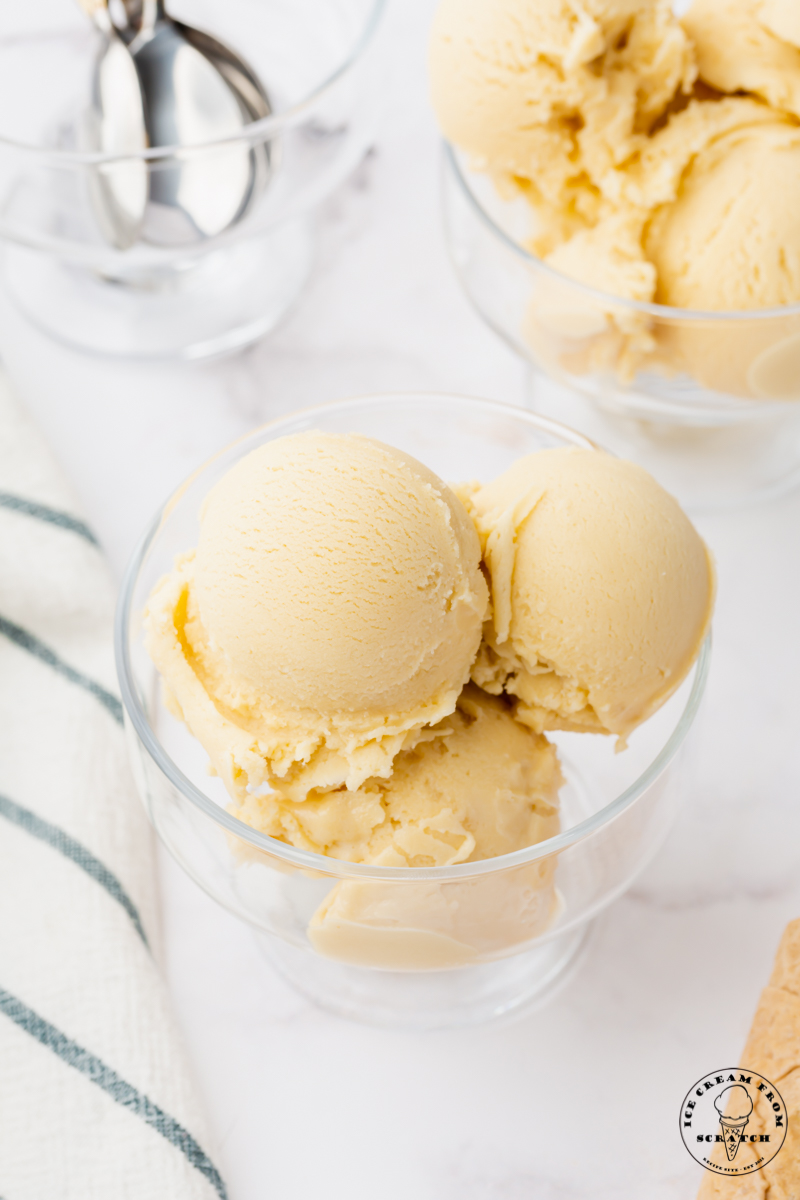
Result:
[709,402]
[187,285]
[427,947]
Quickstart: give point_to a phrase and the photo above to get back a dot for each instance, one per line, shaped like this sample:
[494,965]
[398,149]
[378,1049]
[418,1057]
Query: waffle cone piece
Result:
[772,1049]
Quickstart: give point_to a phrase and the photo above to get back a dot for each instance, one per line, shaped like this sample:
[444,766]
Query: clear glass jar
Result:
[187,293]
[417,948]
[709,402]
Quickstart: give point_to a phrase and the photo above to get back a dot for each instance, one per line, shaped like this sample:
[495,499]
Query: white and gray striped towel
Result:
[95,1097]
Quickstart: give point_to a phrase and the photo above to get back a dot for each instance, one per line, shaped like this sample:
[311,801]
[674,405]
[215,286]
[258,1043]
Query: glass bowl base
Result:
[186,309]
[428,1000]
[708,467]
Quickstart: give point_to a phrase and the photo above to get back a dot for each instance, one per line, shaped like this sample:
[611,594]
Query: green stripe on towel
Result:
[51,516]
[26,641]
[66,845]
[120,1091]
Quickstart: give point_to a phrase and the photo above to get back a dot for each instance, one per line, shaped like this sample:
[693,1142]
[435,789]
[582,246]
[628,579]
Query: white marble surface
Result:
[580,1101]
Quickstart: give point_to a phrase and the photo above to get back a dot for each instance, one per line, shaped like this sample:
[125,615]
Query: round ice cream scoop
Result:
[731,239]
[748,46]
[553,92]
[338,574]
[602,590]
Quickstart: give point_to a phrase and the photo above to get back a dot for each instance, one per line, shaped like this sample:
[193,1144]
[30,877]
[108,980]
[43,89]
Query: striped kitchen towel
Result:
[95,1097]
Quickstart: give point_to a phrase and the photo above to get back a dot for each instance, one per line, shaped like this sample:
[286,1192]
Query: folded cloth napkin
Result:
[96,1101]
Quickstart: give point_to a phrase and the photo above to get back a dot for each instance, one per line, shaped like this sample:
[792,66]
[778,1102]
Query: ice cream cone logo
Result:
[733,1121]
[734,1107]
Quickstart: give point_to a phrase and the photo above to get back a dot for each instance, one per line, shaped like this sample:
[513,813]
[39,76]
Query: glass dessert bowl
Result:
[706,401]
[414,947]
[197,279]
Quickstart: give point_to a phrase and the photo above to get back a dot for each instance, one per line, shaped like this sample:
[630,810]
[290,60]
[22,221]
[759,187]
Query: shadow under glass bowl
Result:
[709,402]
[180,290]
[416,947]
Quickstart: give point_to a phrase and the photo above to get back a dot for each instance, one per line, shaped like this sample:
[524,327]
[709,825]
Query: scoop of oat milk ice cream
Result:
[749,46]
[659,161]
[728,238]
[583,106]
[553,97]
[602,591]
[475,785]
[731,238]
[329,615]
[482,785]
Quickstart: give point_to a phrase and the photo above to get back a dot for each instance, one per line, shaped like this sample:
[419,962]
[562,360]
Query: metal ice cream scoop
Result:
[194,91]
[115,126]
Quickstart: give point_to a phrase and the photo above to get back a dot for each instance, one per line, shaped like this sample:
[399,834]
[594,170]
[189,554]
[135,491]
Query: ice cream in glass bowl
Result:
[416,734]
[619,191]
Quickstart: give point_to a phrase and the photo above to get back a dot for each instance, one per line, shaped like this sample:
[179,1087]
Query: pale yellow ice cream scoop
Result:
[749,46]
[731,238]
[337,573]
[332,610]
[782,18]
[556,95]
[602,590]
[579,106]
[484,786]
[477,784]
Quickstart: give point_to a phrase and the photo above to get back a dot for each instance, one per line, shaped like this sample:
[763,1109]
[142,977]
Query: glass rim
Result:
[666,312]
[137,720]
[257,131]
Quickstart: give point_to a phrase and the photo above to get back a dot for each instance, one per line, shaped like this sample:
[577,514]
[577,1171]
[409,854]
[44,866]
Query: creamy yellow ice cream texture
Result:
[652,181]
[556,95]
[749,46]
[781,17]
[478,784]
[602,591]
[618,254]
[639,206]
[483,785]
[731,239]
[433,925]
[523,86]
[331,612]
[319,642]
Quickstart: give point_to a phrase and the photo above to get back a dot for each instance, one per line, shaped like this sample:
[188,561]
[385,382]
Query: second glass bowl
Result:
[708,402]
[413,947]
[179,291]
